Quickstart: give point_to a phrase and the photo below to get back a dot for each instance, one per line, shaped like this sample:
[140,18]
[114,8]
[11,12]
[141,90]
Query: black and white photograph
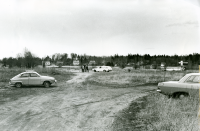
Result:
[99,65]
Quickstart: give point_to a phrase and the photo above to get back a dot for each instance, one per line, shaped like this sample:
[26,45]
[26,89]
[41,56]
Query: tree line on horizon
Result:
[29,60]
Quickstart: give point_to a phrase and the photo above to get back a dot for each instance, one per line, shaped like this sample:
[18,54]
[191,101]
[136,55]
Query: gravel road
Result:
[75,108]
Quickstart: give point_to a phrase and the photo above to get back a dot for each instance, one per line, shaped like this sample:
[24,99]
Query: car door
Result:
[100,69]
[34,79]
[24,78]
[173,86]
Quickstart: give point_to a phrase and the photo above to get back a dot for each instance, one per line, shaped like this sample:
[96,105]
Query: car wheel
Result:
[104,70]
[18,85]
[182,96]
[108,71]
[94,70]
[46,84]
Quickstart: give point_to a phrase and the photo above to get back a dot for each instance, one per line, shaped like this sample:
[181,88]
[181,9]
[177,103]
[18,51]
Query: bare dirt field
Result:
[77,107]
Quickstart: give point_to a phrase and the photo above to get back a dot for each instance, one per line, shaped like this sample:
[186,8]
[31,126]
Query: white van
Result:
[102,68]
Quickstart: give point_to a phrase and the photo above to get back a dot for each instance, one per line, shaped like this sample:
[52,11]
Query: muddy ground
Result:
[77,107]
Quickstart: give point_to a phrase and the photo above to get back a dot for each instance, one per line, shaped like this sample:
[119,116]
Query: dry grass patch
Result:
[157,112]
[123,78]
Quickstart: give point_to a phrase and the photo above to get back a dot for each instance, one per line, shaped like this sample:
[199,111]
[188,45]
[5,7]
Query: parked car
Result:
[102,68]
[188,85]
[32,78]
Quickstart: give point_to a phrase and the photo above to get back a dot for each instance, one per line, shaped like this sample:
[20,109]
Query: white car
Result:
[31,78]
[102,68]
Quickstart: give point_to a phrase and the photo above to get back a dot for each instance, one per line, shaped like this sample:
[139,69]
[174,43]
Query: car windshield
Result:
[17,75]
[183,78]
[196,79]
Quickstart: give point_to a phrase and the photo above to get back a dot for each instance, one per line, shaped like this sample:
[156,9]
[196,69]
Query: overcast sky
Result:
[99,27]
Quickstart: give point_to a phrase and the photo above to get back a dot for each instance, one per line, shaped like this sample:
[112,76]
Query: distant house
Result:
[76,62]
[92,63]
[47,63]
[130,64]
[162,65]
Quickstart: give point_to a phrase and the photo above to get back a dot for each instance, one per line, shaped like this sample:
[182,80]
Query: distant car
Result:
[32,78]
[175,68]
[188,85]
[102,68]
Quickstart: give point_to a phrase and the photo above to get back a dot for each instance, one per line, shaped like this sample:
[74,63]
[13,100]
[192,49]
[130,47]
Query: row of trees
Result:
[28,59]
[156,60]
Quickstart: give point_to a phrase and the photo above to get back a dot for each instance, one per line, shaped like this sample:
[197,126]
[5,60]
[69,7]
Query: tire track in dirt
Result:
[92,102]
